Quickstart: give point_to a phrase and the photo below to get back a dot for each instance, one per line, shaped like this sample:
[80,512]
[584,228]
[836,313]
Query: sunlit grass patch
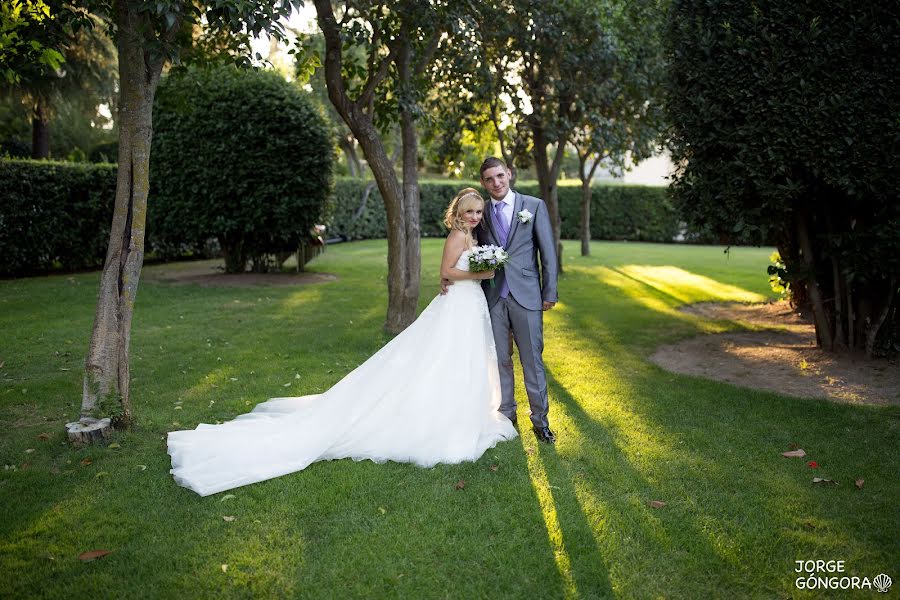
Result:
[572,520]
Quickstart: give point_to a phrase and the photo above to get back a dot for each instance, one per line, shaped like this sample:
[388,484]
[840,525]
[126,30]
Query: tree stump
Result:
[89,430]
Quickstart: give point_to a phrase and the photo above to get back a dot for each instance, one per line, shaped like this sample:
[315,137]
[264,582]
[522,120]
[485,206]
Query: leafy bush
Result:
[15,148]
[239,155]
[106,152]
[54,215]
[785,125]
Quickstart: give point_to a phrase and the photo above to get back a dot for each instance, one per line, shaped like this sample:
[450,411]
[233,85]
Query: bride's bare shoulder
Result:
[456,237]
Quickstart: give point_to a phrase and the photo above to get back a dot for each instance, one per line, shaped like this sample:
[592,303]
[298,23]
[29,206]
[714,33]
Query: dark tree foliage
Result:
[239,155]
[785,124]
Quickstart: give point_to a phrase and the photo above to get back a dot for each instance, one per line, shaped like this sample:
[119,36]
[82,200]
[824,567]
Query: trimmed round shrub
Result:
[239,155]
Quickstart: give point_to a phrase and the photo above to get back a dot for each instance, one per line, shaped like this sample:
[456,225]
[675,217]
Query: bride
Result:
[429,396]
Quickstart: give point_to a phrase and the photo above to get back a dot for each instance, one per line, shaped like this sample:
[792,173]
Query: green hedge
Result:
[618,212]
[54,215]
[57,215]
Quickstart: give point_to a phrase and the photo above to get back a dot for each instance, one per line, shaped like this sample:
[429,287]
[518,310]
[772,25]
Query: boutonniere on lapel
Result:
[525,216]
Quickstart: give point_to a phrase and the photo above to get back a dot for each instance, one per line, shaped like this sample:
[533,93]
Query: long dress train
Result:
[428,396]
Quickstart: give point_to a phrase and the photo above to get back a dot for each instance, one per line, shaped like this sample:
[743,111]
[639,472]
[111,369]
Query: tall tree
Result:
[401,38]
[147,35]
[85,71]
[622,120]
[547,66]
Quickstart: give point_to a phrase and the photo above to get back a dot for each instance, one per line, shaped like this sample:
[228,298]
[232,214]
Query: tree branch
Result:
[366,96]
[427,55]
[337,92]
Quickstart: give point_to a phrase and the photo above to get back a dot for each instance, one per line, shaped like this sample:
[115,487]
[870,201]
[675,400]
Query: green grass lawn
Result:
[551,522]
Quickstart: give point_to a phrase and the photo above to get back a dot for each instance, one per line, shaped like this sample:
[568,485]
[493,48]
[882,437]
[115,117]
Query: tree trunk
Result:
[840,341]
[40,132]
[820,317]
[403,238]
[403,252]
[872,332]
[234,255]
[586,194]
[408,279]
[839,283]
[106,374]
[401,204]
[505,151]
[548,173]
[348,146]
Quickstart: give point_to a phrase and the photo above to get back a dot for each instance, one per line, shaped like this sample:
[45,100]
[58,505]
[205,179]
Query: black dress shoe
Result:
[545,435]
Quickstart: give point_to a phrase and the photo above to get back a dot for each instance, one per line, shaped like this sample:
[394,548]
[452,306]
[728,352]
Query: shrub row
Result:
[636,213]
[54,215]
[57,215]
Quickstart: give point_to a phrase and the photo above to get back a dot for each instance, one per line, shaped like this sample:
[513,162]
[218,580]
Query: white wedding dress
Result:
[428,396]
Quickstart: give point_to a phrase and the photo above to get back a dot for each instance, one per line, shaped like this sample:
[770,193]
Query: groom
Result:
[521,225]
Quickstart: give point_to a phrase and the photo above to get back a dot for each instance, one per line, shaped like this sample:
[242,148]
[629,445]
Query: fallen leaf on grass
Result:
[93,554]
[656,503]
[101,474]
[460,484]
[29,450]
[859,483]
[798,453]
[114,445]
[820,480]
[86,461]
[142,467]
[382,510]
[494,468]
[224,568]
[227,497]
[44,436]
[228,519]
[26,465]
[812,464]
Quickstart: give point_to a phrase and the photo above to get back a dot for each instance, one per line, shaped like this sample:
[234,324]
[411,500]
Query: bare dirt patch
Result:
[782,358]
[211,273]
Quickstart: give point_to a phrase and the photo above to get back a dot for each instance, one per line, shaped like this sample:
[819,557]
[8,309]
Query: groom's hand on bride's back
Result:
[445,285]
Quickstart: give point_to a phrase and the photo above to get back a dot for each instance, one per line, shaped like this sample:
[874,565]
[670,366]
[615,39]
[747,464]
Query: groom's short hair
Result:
[489,163]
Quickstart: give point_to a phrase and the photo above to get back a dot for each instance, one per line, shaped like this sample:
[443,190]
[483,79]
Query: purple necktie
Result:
[503,232]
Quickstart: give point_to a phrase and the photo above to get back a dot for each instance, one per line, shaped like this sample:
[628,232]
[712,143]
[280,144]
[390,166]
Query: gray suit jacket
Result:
[527,284]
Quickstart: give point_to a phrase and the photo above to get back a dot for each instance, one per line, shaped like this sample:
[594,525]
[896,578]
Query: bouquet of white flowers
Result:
[485,258]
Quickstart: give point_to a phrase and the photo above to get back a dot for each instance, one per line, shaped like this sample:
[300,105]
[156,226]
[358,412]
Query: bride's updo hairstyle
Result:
[466,198]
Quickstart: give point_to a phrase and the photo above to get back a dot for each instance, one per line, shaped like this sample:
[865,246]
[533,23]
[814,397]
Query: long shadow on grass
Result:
[616,493]
[705,448]
[579,560]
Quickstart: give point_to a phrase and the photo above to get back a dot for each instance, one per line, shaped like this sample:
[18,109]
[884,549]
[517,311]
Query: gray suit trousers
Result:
[527,327]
